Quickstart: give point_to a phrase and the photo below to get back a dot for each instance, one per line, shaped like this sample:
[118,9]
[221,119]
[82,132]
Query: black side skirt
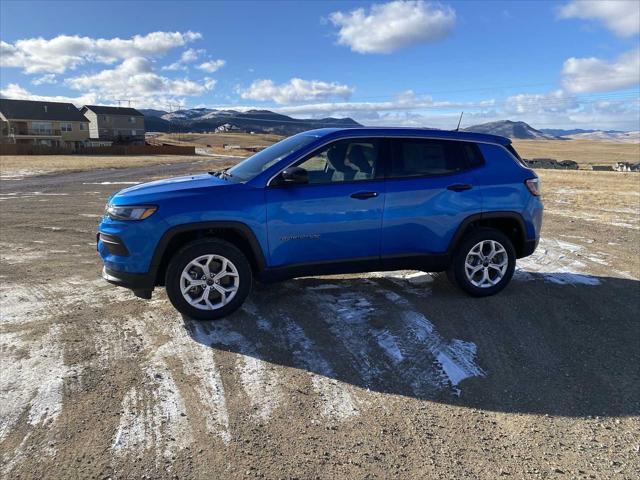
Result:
[426,263]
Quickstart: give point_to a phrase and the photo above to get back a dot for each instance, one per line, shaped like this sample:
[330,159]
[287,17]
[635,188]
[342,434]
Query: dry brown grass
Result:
[219,139]
[610,198]
[585,152]
[11,165]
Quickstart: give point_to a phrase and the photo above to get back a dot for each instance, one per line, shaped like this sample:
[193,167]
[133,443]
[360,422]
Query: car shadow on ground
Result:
[548,344]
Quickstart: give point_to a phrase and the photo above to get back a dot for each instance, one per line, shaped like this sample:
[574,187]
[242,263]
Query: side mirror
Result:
[294,176]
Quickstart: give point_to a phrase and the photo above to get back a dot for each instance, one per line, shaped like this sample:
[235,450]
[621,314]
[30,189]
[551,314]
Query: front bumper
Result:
[142,284]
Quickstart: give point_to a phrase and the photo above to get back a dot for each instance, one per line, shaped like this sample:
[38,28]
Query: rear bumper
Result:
[529,247]
[142,284]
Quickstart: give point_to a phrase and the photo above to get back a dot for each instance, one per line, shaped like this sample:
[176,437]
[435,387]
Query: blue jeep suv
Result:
[324,202]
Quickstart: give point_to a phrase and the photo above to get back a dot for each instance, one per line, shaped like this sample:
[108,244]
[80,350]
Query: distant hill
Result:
[260,121]
[559,132]
[607,136]
[508,128]
[149,112]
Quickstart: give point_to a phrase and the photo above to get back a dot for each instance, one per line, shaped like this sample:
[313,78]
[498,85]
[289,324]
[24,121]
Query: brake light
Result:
[533,184]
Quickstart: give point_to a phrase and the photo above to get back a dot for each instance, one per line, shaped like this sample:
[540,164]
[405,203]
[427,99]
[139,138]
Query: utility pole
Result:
[124,100]
[171,106]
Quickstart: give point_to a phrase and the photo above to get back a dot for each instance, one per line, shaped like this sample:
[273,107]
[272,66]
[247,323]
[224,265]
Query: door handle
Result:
[364,195]
[459,187]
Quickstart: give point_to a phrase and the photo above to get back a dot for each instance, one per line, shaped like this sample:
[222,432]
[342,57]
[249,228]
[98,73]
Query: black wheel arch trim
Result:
[235,226]
[510,215]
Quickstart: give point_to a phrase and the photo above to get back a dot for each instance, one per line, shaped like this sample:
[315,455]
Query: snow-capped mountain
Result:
[508,128]
[262,121]
[608,136]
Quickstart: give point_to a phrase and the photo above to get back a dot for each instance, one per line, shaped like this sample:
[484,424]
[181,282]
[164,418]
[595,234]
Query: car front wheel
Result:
[208,279]
[484,262]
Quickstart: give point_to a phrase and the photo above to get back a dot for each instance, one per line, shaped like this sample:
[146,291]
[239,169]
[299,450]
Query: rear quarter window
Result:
[515,154]
[472,154]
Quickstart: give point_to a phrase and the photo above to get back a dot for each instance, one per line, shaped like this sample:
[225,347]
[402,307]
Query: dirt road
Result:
[394,375]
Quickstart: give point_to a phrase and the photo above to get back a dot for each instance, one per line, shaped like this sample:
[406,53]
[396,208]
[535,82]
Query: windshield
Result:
[262,160]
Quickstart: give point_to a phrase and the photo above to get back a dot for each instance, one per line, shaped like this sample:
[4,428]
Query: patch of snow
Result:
[154,418]
[338,402]
[20,174]
[568,278]
[578,237]
[259,382]
[33,382]
[551,262]
[389,345]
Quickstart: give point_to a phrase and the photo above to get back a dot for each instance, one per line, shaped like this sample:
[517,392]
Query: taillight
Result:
[533,184]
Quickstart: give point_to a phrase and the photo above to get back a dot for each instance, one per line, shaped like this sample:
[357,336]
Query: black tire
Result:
[457,274]
[191,252]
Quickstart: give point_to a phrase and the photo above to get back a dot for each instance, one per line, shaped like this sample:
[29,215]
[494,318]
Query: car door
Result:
[429,192]
[337,215]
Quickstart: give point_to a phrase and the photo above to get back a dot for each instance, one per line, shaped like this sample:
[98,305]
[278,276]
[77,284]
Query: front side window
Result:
[418,157]
[343,161]
[258,163]
[132,120]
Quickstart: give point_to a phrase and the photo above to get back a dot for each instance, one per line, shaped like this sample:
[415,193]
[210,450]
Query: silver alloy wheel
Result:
[209,282]
[486,263]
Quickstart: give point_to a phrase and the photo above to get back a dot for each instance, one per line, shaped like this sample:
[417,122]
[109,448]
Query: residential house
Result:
[52,124]
[115,124]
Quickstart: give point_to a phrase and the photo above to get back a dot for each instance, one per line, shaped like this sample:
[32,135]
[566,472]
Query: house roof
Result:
[31,110]
[100,110]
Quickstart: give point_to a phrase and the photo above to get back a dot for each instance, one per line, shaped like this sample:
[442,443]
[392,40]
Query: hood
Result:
[168,187]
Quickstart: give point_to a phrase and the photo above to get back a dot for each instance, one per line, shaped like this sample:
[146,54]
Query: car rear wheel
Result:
[483,263]
[208,279]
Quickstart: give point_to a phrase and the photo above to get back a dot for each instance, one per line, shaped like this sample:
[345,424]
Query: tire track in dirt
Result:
[400,352]
[260,384]
[31,392]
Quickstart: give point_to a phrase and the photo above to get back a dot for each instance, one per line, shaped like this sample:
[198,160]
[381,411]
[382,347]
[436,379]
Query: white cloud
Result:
[64,52]
[540,103]
[16,92]
[49,78]
[620,16]
[554,109]
[209,83]
[135,79]
[391,26]
[405,101]
[295,90]
[592,74]
[188,56]
[212,65]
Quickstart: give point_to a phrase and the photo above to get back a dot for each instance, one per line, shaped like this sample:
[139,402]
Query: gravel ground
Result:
[386,375]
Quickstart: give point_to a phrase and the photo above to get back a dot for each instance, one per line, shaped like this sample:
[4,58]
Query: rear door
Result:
[429,192]
[337,216]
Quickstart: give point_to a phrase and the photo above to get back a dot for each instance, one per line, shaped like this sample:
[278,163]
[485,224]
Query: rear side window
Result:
[473,154]
[425,157]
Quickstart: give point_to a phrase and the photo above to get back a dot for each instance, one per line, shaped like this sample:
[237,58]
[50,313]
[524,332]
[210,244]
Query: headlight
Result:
[129,212]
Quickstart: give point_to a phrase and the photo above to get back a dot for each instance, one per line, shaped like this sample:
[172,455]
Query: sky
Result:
[566,64]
